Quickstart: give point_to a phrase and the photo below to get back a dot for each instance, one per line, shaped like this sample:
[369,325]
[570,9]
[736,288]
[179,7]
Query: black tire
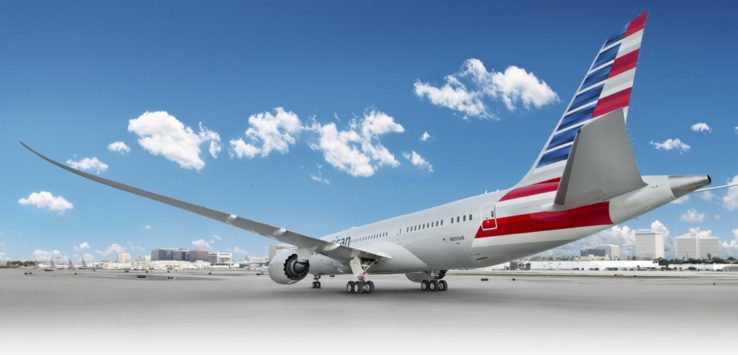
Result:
[424,285]
[442,285]
[350,287]
[317,284]
[359,287]
[371,286]
[432,285]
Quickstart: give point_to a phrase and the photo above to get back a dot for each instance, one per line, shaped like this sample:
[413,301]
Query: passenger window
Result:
[464,218]
[452,220]
[458,219]
[441,222]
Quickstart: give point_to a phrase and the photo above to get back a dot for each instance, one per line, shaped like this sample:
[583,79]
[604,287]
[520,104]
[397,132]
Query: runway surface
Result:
[560,313]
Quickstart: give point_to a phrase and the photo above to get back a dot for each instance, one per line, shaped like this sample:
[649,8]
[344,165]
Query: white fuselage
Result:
[453,235]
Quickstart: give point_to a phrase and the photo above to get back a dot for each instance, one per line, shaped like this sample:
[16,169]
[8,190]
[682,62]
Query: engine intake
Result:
[285,268]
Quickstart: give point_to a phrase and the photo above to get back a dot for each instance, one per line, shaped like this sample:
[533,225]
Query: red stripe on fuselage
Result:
[535,189]
[585,216]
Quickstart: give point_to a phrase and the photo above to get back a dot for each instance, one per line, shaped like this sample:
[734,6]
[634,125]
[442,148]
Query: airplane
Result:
[584,180]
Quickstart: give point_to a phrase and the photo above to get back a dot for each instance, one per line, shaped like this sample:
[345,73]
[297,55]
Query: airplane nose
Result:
[682,185]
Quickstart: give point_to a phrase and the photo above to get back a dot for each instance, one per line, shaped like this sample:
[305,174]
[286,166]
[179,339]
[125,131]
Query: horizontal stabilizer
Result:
[601,164]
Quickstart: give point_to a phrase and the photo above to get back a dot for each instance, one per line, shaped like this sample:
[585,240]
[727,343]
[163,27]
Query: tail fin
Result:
[606,87]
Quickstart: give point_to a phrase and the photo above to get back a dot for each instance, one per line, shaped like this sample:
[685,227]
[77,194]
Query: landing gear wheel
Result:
[370,286]
[424,285]
[350,286]
[316,284]
[432,285]
[442,285]
[359,287]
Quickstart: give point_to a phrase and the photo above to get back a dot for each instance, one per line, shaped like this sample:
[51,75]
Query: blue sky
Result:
[75,73]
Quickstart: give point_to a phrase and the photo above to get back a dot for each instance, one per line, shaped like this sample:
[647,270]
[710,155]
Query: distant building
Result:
[198,254]
[123,258]
[649,245]
[592,252]
[180,255]
[219,258]
[609,251]
[144,258]
[162,254]
[696,247]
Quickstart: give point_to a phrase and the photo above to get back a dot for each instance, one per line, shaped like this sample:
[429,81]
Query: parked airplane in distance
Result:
[584,180]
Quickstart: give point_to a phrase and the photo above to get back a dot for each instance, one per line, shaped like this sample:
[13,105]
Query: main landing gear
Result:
[316,281]
[433,285]
[360,286]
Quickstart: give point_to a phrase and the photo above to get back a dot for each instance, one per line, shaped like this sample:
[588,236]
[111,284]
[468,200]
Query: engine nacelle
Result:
[285,268]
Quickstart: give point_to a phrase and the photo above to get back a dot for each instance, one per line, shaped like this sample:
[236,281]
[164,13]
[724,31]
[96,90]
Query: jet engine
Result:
[285,268]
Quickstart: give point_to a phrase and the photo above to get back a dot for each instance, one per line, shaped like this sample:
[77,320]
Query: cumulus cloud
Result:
[45,199]
[706,195]
[701,127]
[672,144]
[114,248]
[730,248]
[357,150]
[119,147]
[681,200]
[469,90]
[692,216]
[201,244]
[89,164]
[425,136]
[163,134]
[658,227]
[418,161]
[82,246]
[268,132]
[730,200]
[41,254]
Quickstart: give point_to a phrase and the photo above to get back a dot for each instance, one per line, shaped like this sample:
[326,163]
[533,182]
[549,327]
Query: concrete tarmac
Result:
[233,310]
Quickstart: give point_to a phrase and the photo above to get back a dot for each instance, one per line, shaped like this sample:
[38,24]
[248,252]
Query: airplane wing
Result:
[283,235]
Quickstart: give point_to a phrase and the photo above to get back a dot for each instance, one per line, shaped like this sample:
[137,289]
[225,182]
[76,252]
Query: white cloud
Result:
[730,200]
[454,95]
[45,255]
[268,132]
[45,199]
[671,144]
[163,134]
[201,244]
[119,147]
[319,178]
[89,164]
[701,127]
[681,200]
[418,160]
[147,227]
[730,248]
[358,150]
[425,136]
[82,246]
[114,248]
[658,227]
[692,216]
[706,195]
[466,90]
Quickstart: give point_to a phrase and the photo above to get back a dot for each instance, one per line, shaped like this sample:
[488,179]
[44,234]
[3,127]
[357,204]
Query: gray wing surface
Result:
[283,235]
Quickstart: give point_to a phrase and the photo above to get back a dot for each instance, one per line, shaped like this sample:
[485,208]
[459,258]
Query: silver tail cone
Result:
[682,185]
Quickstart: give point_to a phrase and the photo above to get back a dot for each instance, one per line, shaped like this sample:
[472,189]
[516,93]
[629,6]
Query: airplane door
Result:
[489,216]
